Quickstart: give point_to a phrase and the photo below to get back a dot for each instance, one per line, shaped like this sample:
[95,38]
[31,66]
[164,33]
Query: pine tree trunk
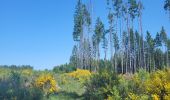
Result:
[167,58]
[129,46]
[111,45]
[121,37]
[116,48]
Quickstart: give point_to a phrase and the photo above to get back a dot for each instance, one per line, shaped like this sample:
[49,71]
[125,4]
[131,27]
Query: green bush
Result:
[110,86]
[17,87]
[102,85]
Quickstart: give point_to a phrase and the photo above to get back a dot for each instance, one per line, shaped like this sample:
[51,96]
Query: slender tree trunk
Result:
[81,47]
[77,56]
[154,64]
[134,53]
[127,51]
[139,49]
[98,58]
[150,62]
[122,51]
[127,61]
[105,54]
[163,60]
[129,46]
[116,48]
[142,51]
[111,44]
[167,58]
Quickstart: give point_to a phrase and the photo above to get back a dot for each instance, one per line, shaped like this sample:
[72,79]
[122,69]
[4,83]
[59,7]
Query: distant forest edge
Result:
[17,67]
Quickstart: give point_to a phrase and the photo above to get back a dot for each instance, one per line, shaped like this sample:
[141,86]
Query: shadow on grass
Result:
[71,95]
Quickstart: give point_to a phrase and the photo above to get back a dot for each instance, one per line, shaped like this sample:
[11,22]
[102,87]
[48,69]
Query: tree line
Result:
[121,47]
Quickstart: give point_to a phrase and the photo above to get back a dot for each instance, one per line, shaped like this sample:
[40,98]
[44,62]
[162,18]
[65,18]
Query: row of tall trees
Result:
[82,51]
[122,46]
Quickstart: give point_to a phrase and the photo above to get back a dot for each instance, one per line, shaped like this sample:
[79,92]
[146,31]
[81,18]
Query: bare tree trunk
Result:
[116,48]
[111,44]
[139,47]
[105,54]
[150,62]
[98,58]
[77,56]
[126,61]
[129,46]
[133,52]
[122,51]
[142,51]
[167,58]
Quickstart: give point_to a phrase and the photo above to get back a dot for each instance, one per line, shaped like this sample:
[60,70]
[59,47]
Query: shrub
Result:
[102,86]
[138,86]
[47,84]
[15,88]
[159,85]
[81,75]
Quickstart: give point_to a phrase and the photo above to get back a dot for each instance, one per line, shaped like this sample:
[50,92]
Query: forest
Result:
[116,60]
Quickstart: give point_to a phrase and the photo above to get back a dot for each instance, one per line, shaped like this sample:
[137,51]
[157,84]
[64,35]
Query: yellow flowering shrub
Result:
[80,74]
[159,85]
[167,87]
[139,86]
[134,96]
[155,97]
[47,83]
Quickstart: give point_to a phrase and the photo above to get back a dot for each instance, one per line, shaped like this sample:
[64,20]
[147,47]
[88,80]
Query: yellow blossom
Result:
[47,83]
[80,74]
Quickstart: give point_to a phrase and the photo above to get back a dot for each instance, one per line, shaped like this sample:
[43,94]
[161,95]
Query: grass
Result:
[70,89]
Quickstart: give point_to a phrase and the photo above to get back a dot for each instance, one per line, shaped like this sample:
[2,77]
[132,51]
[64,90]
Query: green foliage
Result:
[78,21]
[158,40]
[74,57]
[70,88]
[139,86]
[133,8]
[17,83]
[163,35]
[101,86]
[17,87]
[99,31]
[66,68]
[167,5]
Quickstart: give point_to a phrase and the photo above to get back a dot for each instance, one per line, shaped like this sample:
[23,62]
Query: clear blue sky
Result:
[39,32]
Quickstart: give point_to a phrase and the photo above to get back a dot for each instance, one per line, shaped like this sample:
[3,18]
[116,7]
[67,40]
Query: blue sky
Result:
[39,32]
